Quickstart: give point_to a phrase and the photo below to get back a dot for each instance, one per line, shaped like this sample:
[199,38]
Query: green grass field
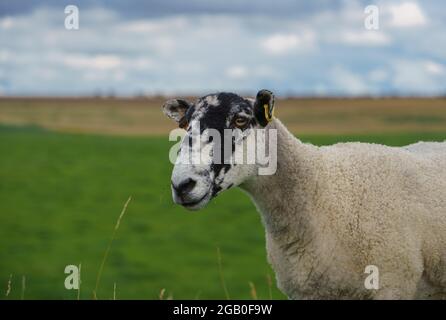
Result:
[60,196]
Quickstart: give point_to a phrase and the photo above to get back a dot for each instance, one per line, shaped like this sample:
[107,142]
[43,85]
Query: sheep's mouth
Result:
[195,205]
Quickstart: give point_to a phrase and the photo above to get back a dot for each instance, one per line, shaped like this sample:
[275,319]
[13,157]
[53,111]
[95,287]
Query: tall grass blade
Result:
[22,295]
[270,285]
[253,291]
[222,279]
[9,286]
[107,251]
[80,282]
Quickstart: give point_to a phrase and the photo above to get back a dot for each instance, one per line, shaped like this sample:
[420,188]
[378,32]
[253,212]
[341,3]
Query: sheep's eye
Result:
[240,122]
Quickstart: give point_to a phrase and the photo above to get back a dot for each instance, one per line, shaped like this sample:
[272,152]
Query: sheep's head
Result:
[213,155]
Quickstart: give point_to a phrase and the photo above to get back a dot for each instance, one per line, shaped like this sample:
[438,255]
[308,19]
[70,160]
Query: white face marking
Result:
[212,100]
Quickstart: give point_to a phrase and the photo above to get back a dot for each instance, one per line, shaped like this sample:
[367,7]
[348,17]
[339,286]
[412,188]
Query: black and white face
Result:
[203,169]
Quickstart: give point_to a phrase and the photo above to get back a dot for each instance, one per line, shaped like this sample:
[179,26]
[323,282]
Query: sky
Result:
[307,48]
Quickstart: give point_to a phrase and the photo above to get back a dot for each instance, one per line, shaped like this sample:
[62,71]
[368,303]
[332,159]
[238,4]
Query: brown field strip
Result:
[143,116]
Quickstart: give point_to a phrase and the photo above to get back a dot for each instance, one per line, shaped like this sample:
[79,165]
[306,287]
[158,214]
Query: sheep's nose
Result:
[184,187]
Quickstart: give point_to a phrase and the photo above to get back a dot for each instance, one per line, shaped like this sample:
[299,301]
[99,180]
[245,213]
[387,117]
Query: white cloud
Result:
[282,43]
[407,14]
[365,38]
[140,26]
[434,68]
[6,23]
[100,62]
[348,82]
[418,76]
[378,75]
[5,55]
[237,72]
[152,26]
[142,63]
[265,71]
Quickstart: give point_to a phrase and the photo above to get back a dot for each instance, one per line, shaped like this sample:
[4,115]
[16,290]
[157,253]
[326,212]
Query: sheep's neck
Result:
[283,199]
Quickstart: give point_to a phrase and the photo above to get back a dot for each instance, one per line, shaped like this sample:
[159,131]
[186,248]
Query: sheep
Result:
[329,212]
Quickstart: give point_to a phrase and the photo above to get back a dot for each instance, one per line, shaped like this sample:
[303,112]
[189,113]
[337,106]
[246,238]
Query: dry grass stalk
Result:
[162,292]
[222,279]
[22,295]
[9,285]
[104,259]
[253,291]
[270,285]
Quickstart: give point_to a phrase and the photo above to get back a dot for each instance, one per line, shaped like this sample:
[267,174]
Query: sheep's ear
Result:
[176,110]
[264,107]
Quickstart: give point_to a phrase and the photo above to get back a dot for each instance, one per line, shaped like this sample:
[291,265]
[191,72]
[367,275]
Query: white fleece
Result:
[331,211]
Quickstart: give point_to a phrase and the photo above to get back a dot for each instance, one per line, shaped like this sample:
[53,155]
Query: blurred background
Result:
[81,128]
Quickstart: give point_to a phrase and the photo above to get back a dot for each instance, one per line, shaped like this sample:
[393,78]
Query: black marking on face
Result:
[225,106]
[215,115]
[219,115]
[189,113]
[190,139]
[218,111]
[216,168]
[215,190]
